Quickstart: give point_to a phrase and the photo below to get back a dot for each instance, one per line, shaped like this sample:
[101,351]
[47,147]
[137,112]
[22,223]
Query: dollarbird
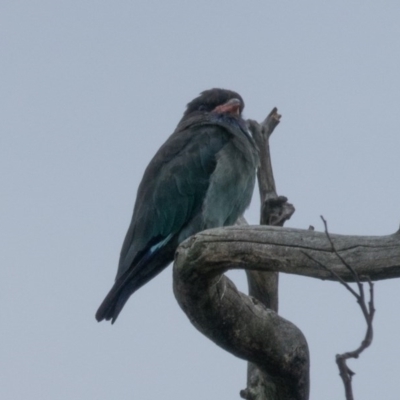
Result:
[202,177]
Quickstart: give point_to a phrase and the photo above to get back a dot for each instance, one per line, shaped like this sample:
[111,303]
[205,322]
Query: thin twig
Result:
[368,311]
[333,273]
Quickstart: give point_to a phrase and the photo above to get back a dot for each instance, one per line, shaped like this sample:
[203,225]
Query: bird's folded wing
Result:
[172,189]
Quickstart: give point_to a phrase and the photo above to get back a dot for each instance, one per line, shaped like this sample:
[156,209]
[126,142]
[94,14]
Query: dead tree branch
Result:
[244,326]
[275,210]
[268,248]
[247,326]
[368,311]
[241,324]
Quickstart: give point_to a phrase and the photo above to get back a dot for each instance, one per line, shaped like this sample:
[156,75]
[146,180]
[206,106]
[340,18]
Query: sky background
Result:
[89,92]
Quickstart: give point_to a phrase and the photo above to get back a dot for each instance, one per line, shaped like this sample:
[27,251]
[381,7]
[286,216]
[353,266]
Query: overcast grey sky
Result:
[91,89]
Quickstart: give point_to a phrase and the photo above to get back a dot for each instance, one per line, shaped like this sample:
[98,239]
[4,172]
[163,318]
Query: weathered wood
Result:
[249,326]
[242,325]
[267,248]
[264,285]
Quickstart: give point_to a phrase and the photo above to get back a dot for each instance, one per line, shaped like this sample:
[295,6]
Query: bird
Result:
[202,177]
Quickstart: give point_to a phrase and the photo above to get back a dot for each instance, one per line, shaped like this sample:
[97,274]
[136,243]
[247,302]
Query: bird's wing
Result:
[172,190]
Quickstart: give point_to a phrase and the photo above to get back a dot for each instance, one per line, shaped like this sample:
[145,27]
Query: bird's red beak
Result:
[230,107]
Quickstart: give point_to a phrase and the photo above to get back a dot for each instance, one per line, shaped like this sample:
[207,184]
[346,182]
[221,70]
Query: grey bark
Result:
[244,326]
[249,326]
[241,324]
[267,248]
[263,286]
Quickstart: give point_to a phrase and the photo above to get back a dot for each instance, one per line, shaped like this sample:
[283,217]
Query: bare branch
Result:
[268,248]
[275,210]
[344,371]
[333,273]
[247,326]
[368,312]
[261,133]
[242,325]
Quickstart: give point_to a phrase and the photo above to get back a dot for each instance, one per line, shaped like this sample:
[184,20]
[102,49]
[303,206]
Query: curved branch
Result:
[244,326]
[241,324]
[267,248]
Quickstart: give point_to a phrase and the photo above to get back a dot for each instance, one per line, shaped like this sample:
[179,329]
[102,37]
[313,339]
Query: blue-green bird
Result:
[202,177]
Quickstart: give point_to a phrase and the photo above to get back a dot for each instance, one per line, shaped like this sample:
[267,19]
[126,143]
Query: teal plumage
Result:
[202,177]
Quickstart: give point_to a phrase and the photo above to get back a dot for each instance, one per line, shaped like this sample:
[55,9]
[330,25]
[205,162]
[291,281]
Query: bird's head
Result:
[216,100]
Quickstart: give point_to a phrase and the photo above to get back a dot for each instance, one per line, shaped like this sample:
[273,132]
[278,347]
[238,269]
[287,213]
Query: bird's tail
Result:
[149,265]
[123,288]
[113,303]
